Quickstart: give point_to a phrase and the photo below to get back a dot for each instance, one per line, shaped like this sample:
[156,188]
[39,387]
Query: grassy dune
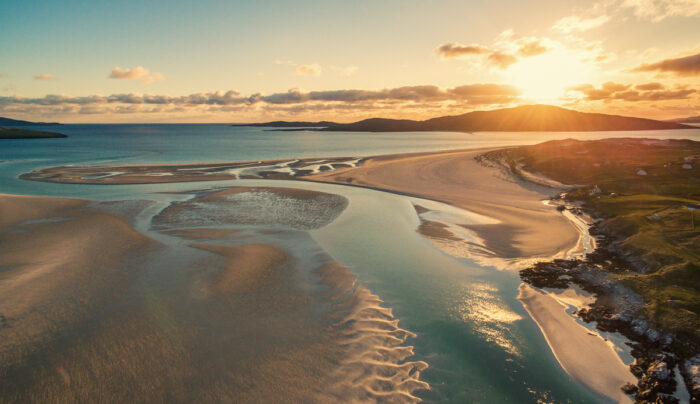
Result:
[640,189]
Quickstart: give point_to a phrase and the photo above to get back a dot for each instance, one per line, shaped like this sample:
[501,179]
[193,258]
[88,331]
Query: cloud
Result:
[575,23]
[313,69]
[309,70]
[684,66]
[505,51]
[137,73]
[605,10]
[396,99]
[502,60]
[409,102]
[657,10]
[344,71]
[649,86]
[456,50]
[623,92]
[532,48]
[44,76]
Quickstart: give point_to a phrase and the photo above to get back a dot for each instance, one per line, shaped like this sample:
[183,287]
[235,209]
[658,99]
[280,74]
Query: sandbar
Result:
[583,355]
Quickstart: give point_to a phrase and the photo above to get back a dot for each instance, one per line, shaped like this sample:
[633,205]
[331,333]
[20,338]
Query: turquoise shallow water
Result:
[477,338]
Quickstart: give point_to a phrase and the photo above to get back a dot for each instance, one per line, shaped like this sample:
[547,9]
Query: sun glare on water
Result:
[545,78]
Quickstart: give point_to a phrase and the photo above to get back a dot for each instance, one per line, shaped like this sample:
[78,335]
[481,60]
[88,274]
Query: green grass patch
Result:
[644,188]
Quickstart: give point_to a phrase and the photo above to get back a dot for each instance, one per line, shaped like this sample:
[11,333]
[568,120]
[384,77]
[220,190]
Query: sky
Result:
[254,61]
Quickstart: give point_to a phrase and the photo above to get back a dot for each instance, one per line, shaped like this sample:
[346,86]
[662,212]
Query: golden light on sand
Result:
[545,78]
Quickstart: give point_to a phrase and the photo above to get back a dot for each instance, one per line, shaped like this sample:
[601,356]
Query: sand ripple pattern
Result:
[374,367]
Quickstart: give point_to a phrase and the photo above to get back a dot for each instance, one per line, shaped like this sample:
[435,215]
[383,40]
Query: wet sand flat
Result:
[94,311]
[528,228]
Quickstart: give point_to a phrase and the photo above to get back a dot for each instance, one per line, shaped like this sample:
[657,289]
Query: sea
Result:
[477,339]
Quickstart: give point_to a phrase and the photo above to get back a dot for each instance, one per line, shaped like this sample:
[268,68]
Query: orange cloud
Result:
[44,76]
[532,48]
[309,70]
[137,73]
[643,92]
[456,50]
[502,60]
[504,53]
[684,66]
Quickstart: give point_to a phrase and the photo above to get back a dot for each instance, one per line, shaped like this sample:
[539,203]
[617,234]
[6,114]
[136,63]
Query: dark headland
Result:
[5,122]
[14,133]
[527,118]
[13,129]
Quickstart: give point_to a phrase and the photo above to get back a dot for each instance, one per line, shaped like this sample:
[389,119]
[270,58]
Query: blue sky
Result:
[71,48]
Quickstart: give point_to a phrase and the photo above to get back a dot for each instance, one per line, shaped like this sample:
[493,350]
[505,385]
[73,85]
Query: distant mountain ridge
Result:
[526,118]
[4,122]
[688,119]
[286,124]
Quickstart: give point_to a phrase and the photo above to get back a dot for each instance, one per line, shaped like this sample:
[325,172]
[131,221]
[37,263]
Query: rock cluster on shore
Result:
[619,309]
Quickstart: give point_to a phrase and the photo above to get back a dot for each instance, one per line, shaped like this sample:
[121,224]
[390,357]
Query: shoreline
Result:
[471,187]
[585,356]
[452,177]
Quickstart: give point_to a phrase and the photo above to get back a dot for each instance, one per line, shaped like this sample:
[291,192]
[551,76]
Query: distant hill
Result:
[535,118]
[689,119]
[16,122]
[16,133]
[285,124]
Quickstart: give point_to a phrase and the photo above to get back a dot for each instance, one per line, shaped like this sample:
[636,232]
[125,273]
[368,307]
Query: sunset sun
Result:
[545,78]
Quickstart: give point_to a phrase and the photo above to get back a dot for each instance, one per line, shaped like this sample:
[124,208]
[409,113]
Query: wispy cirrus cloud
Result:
[657,10]
[137,73]
[575,23]
[344,71]
[682,66]
[606,10]
[315,69]
[45,76]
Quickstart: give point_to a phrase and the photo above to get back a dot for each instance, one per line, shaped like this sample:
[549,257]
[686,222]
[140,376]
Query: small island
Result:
[14,133]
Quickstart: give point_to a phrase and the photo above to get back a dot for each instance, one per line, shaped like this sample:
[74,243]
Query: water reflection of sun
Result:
[482,307]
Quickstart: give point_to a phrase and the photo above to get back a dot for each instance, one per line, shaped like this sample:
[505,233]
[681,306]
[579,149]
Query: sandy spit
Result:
[528,228]
[583,355]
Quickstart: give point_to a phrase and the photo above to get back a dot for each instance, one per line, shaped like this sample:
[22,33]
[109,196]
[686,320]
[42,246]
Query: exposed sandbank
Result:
[584,355]
[91,310]
[528,228]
